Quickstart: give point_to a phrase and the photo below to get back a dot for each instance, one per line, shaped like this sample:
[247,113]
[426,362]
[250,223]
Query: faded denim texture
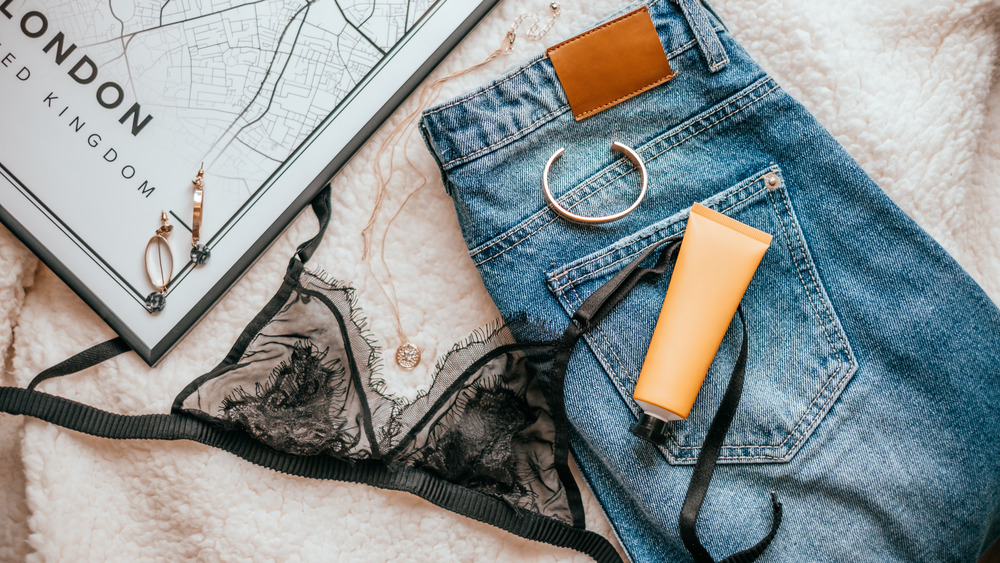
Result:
[872,400]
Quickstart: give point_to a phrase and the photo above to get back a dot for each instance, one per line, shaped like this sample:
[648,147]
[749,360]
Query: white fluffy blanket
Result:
[908,86]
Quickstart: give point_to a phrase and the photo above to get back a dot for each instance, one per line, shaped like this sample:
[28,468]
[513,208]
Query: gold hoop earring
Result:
[159,264]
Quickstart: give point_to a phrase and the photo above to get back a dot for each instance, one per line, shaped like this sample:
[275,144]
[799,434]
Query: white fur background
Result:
[908,86]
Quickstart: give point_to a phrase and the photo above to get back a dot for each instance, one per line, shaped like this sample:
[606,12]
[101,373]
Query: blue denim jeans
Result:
[872,400]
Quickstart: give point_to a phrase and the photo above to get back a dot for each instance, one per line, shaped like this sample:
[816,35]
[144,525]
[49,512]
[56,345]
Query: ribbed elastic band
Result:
[461,500]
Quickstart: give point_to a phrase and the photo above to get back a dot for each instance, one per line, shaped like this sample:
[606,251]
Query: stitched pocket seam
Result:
[840,353]
[545,211]
[537,122]
[661,144]
[593,273]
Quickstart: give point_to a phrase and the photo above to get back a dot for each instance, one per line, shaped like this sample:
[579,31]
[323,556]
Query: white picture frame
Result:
[84,175]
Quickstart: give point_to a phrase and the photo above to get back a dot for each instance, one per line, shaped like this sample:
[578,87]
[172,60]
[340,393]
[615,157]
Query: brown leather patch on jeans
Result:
[609,64]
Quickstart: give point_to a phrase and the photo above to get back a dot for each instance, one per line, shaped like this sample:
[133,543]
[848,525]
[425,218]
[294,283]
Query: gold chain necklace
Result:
[407,353]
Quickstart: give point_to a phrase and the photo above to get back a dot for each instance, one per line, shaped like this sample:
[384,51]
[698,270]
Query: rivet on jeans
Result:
[772,181]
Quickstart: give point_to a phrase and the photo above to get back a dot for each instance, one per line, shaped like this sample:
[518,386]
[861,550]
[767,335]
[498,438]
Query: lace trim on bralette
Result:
[492,420]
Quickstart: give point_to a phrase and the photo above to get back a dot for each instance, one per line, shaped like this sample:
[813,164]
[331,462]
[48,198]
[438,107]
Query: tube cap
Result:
[651,429]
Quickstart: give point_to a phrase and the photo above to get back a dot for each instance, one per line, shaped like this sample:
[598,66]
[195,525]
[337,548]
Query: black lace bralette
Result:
[299,393]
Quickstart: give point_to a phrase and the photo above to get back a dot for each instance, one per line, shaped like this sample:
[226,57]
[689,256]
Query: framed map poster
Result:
[108,108]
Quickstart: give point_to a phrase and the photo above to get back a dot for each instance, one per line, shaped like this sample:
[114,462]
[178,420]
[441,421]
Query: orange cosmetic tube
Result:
[717,260]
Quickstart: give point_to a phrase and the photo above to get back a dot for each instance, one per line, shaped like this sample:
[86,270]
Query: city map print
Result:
[110,109]
[239,84]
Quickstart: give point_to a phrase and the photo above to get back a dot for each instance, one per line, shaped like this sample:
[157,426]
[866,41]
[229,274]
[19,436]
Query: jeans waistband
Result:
[524,100]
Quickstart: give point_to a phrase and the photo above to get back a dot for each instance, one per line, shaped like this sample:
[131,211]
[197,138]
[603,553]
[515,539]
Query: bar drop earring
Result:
[159,265]
[199,252]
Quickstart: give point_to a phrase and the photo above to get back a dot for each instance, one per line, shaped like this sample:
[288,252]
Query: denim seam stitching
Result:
[826,309]
[474,95]
[807,432]
[713,64]
[749,185]
[533,125]
[502,81]
[583,277]
[541,212]
[809,410]
[575,281]
[836,353]
[612,103]
[798,272]
[794,431]
[750,103]
[521,132]
[649,159]
[603,358]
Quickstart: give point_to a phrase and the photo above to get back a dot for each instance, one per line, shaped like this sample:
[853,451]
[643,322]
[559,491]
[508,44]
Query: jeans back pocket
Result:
[799,358]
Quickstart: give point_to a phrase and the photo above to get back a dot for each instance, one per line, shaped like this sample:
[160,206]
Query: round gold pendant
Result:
[407,356]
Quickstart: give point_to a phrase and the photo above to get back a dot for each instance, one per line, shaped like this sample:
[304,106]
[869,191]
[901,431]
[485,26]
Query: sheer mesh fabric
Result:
[297,394]
[491,421]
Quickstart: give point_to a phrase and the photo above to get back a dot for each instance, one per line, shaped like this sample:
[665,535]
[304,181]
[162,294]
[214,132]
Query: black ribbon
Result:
[88,358]
[704,468]
[458,499]
[322,207]
[593,310]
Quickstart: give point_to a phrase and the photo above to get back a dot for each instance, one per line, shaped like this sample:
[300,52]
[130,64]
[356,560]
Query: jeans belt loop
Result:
[704,33]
